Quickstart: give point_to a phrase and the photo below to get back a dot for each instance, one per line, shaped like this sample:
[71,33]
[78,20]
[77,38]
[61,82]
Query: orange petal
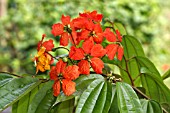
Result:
[68,87]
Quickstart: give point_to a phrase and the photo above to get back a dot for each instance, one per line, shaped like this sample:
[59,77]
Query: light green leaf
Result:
[15,89]
[89,97]
[166,75]
[120,27]
[150,106]
[128,102]
[43,100]
[5,78]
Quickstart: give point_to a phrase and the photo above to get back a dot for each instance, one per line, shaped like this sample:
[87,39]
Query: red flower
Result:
[97,65]
[53,73]
[71,72]
[120,53]
[87,45]
[111,50]
[68,87]
[56,88]
[110,36]
[98,51]
[62,29]
[76,53]
[119,36]
[60,66]
[92,16]
[47,44]
[84,67]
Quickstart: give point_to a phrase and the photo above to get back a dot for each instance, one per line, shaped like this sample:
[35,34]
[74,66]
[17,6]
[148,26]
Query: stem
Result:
[128,72]
[137,77]
[73,39]
[11,74]
[54,49]
[145,96]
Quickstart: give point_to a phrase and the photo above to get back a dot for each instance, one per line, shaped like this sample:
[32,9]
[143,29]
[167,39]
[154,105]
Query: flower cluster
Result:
[86,36]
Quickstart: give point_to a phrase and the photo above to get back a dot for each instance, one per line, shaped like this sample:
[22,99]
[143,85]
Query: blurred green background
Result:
[22,22]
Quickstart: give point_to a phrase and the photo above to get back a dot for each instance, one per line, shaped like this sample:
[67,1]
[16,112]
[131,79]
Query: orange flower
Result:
[42,60]
[68,87]
[97,65]
[84,67]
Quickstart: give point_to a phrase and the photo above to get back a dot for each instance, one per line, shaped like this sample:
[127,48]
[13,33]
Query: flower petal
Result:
[84,67]
[111,50]
[98,51]
[68,87]
[64,40]
[76,53]
[71,72]
[57,29]
[48,45]
[120,53]
[56,88]
[97,65]
[65,20]
[110,36]
[87,45]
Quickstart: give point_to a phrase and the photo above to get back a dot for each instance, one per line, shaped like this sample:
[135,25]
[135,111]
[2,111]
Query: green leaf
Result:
[5,78]
[114,105]
[128,101]
[120,27]
[89,97]
[81,84]
[150,106]
[166,75]
[43,100]
[65,106]
[21,106]
[15,90]
[132,48]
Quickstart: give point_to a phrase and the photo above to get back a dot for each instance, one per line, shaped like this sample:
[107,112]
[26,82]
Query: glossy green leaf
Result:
[114,105]
[21,106]
[150,106]
[120,27]
[5,78]
[81,84]
[65,106]
[43,100]
[128,102]
[152,81]
[132,48]
[15,90]
[166,75]
[90,96]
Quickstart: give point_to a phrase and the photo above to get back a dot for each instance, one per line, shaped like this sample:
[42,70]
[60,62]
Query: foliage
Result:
[104,91]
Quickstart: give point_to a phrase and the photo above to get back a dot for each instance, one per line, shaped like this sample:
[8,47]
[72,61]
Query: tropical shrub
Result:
[101,70]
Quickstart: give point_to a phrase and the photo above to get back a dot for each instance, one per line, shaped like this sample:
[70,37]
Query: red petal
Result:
[98,51]
[110,36]
[48,45]
[65,20]
[53,73]
[97,65]
[64,40]
[87,45]
[68,87]
[98,28]
[120,53]
[71,72]
[76,53]
[56,88]
[111,50]
[60,66]
[98,38]
[119,35]
[57,29]
[84,67]
[83,35]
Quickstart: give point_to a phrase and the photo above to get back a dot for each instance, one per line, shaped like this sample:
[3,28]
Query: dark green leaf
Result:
[21,106]
[15,90]
[166,75]
[65,106]
[43,100]
[132,48]
[128,102]
[5,78]
[151,106]
[114,105]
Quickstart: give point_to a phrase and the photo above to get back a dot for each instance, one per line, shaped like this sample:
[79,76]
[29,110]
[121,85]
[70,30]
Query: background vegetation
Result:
[26,20]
